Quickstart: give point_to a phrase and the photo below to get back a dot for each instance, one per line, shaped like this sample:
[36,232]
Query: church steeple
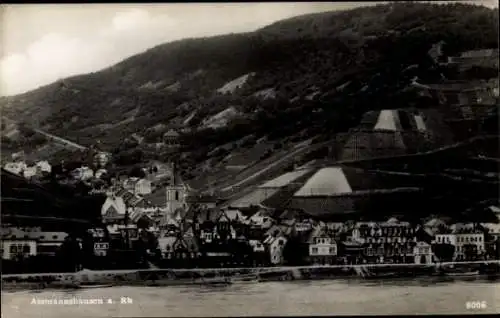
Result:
[174,174]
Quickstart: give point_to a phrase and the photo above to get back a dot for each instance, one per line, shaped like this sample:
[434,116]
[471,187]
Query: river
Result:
[335,297]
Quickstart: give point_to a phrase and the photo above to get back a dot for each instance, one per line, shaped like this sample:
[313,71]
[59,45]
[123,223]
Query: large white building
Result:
[30,241]
[464,237]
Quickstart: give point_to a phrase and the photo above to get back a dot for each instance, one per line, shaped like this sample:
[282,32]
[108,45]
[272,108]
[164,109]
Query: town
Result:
[310,214]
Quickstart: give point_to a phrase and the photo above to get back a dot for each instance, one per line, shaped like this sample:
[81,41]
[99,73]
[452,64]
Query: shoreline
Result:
[208,276]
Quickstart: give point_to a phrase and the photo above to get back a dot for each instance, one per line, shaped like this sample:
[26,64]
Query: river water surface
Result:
[335,297]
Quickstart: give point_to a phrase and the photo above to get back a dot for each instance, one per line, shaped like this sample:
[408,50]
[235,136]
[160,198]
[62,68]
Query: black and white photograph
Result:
[249,159]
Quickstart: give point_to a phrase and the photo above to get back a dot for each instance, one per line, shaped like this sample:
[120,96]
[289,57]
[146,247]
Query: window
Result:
[13,249]
[176,195]
[315,250]
[480,239]
[26,249]
[54,237]
[332,250]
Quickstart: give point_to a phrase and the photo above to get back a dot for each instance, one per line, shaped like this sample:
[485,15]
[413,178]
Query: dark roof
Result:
[121,192]
[384,201]
[157,198]
[189,242]
[318,232]
[206,215]
[201,198]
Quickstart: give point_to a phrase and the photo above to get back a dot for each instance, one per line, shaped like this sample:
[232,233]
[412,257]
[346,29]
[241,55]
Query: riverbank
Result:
[168,277]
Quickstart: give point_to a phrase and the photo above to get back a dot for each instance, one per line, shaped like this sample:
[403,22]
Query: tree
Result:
[137,172]
[444,252]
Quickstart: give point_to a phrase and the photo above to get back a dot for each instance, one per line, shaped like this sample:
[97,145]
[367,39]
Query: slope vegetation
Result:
[320,72]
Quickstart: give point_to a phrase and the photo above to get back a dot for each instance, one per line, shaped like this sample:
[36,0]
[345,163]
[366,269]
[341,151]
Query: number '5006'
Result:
[476,305]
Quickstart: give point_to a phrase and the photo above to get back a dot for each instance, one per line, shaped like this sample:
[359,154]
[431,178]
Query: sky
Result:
[42,43]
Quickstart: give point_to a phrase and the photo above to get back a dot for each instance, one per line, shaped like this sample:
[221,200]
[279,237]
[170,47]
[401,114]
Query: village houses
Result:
[322,247]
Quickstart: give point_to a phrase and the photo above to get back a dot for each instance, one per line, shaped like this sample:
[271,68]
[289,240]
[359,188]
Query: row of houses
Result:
[266,239]
[323,242]
[21,168]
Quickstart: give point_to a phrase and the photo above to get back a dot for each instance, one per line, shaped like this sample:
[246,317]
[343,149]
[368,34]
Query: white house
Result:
[143,187]
[469,238]
[260,219]
[257,246]
[434,225]
[493,229]
[276,246]
[322,247]
[48,243]
[15,167]
[166,245]
[102,158]
[44,166]
[31,241]
[303,226]
[423,253]
[447,238]
[83,173]
[235,215]
[113,210]
[30,172]
[14,245]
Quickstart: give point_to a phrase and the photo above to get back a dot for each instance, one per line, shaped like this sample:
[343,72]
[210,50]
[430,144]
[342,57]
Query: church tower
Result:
[176,193]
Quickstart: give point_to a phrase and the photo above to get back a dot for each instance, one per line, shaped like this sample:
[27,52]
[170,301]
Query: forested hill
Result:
[308,76]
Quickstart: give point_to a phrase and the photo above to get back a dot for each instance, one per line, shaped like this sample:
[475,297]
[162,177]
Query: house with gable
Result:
[216,235]
[171,139]
[138,186]
[114,210]
[179,249]
[422,250]
[187,246]
[492,240]
[275,242]
[260,257]
[469,241]
[322,247]
[435,225]
[166,245]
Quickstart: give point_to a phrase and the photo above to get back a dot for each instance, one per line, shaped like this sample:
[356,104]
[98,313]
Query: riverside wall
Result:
[159,277]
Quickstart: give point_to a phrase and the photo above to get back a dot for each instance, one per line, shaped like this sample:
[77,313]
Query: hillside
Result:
[307,77]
